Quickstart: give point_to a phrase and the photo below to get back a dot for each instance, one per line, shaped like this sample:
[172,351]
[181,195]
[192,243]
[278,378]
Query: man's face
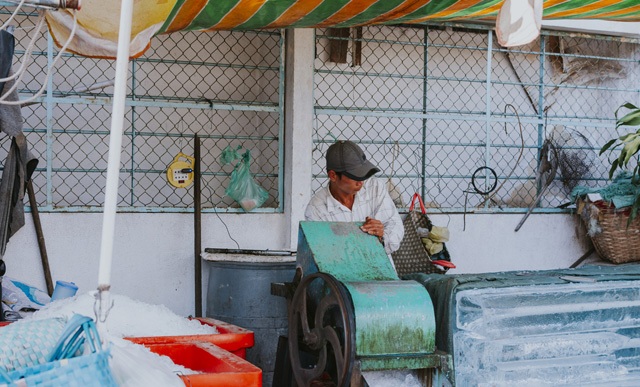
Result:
[344,184]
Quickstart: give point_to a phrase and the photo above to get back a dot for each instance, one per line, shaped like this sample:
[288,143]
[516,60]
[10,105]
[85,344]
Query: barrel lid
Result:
[238,255]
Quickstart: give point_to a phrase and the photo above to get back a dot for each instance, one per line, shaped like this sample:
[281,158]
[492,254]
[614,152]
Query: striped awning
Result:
[257,14]
[98,19]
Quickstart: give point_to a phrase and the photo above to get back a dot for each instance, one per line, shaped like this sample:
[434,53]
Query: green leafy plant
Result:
[629,145]
[629,142]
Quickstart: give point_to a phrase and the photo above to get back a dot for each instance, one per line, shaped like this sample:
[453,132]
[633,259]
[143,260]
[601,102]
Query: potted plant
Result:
[629,145]
[611,214]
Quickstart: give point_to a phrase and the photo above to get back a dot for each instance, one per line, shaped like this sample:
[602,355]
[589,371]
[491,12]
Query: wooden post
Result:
[41,245]
[339,46]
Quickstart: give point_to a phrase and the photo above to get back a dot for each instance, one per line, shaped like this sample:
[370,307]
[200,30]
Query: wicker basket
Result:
[616,242]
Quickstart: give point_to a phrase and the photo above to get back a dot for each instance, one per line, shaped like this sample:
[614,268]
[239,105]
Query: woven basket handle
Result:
[4,376]
[79,329]
[413,202]
[443,263]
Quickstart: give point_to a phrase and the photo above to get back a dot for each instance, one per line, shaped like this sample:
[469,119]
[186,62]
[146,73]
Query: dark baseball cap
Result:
[347,158]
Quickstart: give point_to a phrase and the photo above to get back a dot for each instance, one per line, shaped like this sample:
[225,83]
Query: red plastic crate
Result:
[230,337]
[218,367]
[220,358]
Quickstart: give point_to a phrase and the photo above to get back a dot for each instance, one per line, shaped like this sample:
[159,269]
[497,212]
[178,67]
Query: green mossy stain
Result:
[394,338]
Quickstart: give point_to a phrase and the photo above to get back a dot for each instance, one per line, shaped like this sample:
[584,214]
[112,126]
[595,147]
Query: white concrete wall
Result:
[154,253]
[489,243]
[153,257]
[631,29]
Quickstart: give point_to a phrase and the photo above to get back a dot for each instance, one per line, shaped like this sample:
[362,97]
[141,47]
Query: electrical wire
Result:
[53,64]
[438,179]
[28,52]
[208,113]
[227,228]
[13,15]
[515,165]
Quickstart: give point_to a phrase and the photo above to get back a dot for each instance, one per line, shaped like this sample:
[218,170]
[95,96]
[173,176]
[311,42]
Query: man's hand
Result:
[373,227]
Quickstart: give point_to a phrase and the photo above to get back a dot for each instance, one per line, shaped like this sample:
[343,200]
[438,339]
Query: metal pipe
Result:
[113,166]
[50,4]
[489,115]
[425,109]
[49,137]
[197,225]
[95,86]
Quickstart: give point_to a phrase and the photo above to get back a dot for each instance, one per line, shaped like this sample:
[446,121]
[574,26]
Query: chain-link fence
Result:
[226,87]
[445,111]
[439,108]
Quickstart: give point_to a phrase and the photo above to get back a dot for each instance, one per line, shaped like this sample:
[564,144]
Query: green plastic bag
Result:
[242,187]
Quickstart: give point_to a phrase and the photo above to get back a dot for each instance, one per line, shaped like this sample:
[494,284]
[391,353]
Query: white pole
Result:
[113,166]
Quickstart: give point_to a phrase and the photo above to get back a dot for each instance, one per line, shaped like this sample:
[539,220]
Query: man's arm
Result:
[387,213]
[393,232]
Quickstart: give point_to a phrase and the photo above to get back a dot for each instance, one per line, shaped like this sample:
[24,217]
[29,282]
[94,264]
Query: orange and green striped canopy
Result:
[98,20]
[260,14]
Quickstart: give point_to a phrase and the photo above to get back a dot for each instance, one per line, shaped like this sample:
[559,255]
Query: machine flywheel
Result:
[321,332]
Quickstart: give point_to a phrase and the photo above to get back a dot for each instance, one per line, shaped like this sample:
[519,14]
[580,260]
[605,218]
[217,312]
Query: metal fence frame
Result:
[351,109]
[427,117]
[50,109]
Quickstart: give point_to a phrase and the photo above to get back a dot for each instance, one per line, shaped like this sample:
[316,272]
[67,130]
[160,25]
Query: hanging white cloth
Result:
[519,22]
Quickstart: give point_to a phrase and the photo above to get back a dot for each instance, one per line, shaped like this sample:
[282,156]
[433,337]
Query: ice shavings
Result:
[391,378]
[127,317]
[134,365]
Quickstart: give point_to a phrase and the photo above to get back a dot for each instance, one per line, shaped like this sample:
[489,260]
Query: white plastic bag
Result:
[18,296]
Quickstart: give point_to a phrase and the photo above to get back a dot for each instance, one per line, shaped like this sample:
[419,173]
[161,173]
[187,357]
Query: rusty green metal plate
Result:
[409,362]
[344,251]
[393,318]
